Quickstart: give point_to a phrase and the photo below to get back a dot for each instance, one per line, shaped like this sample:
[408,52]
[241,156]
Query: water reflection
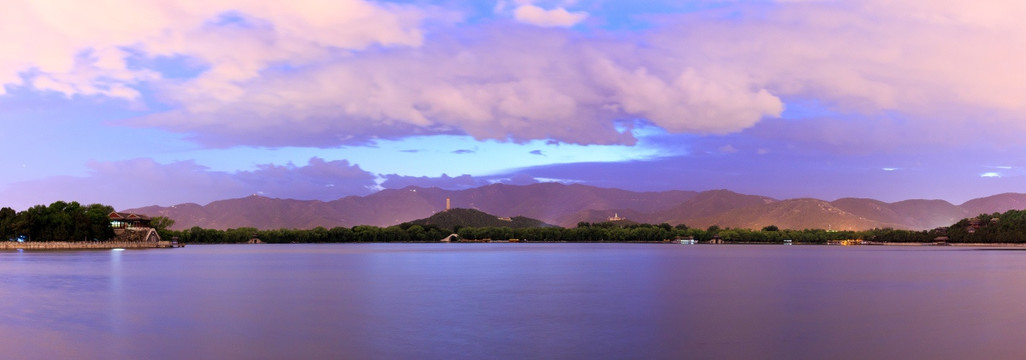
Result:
[436,301]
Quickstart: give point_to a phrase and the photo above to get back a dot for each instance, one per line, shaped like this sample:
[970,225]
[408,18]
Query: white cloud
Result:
[558,17]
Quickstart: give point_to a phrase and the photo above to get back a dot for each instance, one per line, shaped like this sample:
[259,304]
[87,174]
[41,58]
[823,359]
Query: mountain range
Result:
[567,205]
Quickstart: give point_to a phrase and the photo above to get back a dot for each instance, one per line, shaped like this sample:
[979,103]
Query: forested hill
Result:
[1007,227]
[453,218]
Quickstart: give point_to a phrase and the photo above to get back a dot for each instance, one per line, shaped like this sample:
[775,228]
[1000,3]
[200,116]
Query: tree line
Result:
[361,233]
[1009,227]
[71,221]
[584,232]
[60,221]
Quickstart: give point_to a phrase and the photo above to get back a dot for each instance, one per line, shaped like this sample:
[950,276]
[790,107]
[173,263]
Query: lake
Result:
[514,301]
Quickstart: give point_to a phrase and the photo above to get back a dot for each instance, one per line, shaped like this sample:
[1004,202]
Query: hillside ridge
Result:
[567,205]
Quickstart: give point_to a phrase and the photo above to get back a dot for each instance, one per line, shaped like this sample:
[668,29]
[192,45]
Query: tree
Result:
[97,223]
[7,223]
[162,222]
[771,228]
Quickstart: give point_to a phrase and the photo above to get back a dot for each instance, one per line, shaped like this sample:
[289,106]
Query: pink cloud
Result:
[520,84]
[142,182]
[558,17]
[276,32]
[311,73]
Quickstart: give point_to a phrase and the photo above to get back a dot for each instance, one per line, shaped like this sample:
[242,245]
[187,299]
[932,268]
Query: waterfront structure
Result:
[132,227]
[128,221]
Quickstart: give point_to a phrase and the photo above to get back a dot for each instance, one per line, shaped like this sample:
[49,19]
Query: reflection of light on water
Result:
[116,292]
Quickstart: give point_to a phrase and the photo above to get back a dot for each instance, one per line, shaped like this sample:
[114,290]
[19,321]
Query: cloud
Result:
[537,152]
[143,182]
[87,49]
[534,15]
[505,84]
[463,151]
[395,181]
[518,179]
[935,66]
[317,74]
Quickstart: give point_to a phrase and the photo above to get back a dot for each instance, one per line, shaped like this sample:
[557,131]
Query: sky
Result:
[132,103]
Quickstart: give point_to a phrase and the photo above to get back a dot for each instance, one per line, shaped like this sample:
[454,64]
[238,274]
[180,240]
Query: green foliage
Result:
[7,218]
[456,218]
[601,232]
[63,221]
[60,221]
[161,222]
[1008,227]
[362,233]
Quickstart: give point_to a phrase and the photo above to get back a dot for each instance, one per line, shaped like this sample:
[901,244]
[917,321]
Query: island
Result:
[69,225]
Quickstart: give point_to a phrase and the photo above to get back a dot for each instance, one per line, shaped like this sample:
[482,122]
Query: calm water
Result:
[479,301]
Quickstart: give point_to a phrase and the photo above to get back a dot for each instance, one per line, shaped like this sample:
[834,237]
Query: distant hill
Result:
[793,214]
[452,218]
[709,203]
[599,216]
[550,202]
[567,205]
[995,203]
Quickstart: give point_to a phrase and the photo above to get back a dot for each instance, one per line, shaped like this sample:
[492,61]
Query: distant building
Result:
[132,227]
[506,218]
[974,224]
[616,217]
[128,221]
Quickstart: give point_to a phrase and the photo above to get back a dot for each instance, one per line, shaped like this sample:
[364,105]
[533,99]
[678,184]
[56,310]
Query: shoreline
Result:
[642,242]
[84,245]
[107,245]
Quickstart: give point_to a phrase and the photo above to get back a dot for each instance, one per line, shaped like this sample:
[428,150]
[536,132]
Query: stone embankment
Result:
[75,245]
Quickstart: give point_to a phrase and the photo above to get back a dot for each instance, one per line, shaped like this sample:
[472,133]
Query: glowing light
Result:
[990,175]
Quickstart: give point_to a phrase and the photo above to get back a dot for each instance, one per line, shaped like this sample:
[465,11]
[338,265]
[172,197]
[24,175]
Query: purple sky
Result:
[133,103]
